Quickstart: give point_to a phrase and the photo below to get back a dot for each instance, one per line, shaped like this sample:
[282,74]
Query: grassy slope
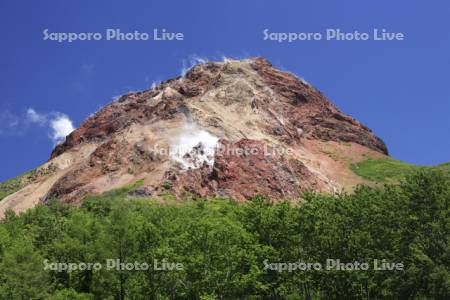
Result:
[11,186]
[390,170]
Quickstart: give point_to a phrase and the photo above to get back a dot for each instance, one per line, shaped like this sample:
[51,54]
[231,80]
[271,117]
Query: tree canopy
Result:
[225,247]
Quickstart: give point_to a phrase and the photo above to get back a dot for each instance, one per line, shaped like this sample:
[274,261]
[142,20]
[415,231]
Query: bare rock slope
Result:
[233,128]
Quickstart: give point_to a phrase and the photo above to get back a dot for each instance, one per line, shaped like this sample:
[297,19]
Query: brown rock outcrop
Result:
[247,168]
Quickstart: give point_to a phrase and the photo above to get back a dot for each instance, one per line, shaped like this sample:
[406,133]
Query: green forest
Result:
[220,249]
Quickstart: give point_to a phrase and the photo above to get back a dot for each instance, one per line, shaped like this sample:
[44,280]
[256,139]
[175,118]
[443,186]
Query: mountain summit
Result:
[236,129]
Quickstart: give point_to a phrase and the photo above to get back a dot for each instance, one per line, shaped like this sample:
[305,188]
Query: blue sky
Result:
[397,88]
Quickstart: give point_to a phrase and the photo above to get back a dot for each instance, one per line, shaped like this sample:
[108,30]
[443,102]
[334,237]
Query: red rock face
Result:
[245,169]
[313,112]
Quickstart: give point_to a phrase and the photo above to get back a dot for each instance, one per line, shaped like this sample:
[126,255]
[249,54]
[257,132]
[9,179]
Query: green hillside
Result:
[390,170]
[10,186]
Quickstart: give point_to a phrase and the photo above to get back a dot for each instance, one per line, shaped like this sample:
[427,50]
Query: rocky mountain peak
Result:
[278,135]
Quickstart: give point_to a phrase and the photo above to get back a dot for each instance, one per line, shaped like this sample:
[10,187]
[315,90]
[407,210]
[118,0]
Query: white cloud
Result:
[34,117]
[57,124]
[61,127]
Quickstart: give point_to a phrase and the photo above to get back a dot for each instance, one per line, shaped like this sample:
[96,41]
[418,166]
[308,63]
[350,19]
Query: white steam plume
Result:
[190,62]
[193,147]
